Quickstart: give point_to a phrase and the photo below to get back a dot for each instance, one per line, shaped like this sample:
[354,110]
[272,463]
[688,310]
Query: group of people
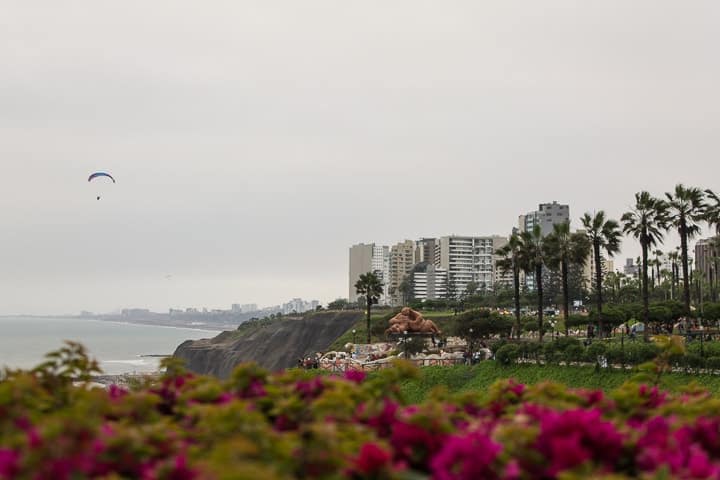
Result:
[309,362]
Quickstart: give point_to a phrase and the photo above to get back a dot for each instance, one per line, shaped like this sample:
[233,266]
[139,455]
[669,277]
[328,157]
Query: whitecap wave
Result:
[138,362]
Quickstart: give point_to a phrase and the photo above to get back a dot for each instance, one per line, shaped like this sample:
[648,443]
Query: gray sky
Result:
[253,142]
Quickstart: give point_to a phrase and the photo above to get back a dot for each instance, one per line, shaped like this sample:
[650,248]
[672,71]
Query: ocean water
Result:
[118,347]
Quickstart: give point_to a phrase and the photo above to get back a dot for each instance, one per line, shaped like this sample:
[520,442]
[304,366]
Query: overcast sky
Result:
[254,142]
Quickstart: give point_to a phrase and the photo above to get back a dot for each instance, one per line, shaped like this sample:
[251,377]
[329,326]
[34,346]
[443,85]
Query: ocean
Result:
[118,347]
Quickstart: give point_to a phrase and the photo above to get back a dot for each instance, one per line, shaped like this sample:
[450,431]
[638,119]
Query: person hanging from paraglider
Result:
[98,175]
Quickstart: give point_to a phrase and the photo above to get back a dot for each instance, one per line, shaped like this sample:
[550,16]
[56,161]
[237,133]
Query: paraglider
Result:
[98,175]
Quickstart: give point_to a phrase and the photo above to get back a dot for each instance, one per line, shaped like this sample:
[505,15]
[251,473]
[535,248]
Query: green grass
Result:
[479,377]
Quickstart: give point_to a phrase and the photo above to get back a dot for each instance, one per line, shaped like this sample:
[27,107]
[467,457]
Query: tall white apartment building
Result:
[430,283]
[466,259]
[366,258]
[546,216]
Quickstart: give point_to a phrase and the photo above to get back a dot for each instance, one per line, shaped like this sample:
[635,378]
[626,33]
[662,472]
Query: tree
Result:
[603,234]
[532,256]
[511,261]
[450,288]
[564,249]
[371,287]
[685,209]
[339,304]
[407,288]
[712,211]
[646,222]
[470,289]
[712,217]
[658,264]
[674,276]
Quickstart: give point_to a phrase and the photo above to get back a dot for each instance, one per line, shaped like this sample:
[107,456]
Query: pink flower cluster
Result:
[296,425]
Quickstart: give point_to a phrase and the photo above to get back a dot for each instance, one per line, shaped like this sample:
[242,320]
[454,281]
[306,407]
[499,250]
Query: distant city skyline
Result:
[253,142]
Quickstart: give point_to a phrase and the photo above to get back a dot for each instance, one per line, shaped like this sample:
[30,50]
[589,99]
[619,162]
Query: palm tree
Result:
[712,212]
[532,258]
[674,256]
[685,209]
[603,234]
[371,287]
[646,222]
[657,263]
[563,249]
[511,261]
[712,217]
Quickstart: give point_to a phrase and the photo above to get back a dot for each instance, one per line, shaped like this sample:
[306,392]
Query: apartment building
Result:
[366,258]
[402,261]
[546,216]
[430,283]
[706,252]
[466,259]
[501,278]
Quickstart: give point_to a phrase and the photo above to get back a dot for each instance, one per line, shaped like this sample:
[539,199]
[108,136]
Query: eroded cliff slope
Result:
[275,344]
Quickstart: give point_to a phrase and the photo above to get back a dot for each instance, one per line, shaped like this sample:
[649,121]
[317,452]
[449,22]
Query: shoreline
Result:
[200,328]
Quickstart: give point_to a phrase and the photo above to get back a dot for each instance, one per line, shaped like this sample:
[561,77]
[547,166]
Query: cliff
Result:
[274,344]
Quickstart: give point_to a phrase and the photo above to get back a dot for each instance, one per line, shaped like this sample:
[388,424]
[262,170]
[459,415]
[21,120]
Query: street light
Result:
[406,339]
[354,332]
[470,344]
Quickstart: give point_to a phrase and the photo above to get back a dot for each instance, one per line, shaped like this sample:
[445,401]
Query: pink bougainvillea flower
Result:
[255,389]
[9,463]
[383,422]
[653,397]
[115,392]
[372,460]
[309,389]
[357,376]
[466,457]
[568,439]
[415,444]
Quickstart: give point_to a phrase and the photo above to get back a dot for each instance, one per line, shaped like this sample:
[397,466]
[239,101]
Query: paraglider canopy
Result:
[100,174]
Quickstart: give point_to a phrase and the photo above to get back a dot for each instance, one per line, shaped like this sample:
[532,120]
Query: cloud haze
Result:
[253,142]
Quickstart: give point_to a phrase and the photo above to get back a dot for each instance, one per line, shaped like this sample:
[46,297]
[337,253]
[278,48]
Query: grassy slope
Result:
[479,377]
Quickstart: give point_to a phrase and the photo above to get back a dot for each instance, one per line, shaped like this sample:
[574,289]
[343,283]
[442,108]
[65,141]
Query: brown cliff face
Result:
[274,345]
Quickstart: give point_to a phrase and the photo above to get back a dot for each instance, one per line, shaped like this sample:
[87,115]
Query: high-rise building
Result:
[429,282]
[589,271]
[425,250]
[249,307]
[402,260]
[706,253]
[546,216]
[501,278]
[365,258]
[631,269]
[466,259]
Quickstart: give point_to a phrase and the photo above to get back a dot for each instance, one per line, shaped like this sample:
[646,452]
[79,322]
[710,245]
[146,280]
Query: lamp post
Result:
[406,339]
[354,332]
[470,345]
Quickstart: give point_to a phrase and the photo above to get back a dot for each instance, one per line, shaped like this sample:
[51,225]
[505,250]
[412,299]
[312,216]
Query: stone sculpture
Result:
[411,321]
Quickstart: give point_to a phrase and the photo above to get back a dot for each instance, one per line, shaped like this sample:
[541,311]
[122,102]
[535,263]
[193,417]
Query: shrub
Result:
[574,321]
[711,311]
[294,424]
[551,353]
[596,350]
[563,343]
[483,323]
[713,362]
[574,353]
[507,354]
